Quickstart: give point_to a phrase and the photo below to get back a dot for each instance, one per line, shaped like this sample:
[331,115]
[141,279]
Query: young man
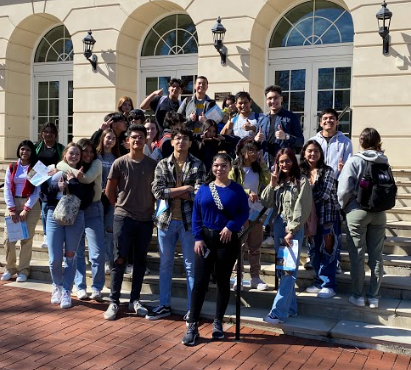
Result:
[336,146]
[245,123]
[194,107]
[176,180]
[162,104]
[279,128]
[172,120]
[133,225]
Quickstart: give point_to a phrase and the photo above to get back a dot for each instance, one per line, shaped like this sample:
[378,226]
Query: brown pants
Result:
[251,247]
[26,244]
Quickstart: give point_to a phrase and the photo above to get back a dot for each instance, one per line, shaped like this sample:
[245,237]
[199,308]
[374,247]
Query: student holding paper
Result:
[21,200]
[289,194]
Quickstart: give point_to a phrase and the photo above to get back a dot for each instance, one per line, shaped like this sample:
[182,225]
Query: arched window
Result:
[173,35]
[55,46]
[313,23]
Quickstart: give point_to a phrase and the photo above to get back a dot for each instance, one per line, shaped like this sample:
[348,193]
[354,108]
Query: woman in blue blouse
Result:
[220,210]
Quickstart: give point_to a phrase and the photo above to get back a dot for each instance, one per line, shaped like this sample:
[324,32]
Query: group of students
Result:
[198,181]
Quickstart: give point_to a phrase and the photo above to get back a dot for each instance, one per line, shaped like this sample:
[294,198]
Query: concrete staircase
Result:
[334,320]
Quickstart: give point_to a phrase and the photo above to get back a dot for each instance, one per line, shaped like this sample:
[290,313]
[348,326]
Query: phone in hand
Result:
[206,252]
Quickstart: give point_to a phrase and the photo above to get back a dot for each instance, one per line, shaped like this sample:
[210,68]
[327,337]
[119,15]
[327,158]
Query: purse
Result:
[66,211]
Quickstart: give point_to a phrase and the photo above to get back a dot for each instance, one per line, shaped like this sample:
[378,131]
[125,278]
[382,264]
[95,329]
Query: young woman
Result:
[220,210]
[91,176]
[107,153]
[366,229]
[289,194]
[49,152]
[153,134]
[125,105]
[251,172]
[323,247]
[21,202]
[63,241]
[229,110]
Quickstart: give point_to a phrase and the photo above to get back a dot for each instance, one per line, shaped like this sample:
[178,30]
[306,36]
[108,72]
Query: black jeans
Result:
[222,256]
[127,234]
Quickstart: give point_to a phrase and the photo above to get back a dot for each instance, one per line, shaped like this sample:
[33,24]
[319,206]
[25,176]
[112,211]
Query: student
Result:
[125,106]
[177,178]
[133,225]
[289,194]
[244,124]
[153,134]
[162,104]
[172,120]
[229,109]
[195,107]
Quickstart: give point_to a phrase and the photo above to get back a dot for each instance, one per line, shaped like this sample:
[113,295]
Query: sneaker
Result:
[268,242]
[138,308]
[313,289]
[129,269]
[338,268]
[326,293]
[56,295]
[6,276]
[271,319]
[96,296]
[66,299]
[373,302]
[21,278]
[107,268]
[192,334]
[111,312]
[82,294]
[235,285]
[217,330]
[360,302]
[159,312]
[44,244]
[308,265]
[186,316]
[257,283]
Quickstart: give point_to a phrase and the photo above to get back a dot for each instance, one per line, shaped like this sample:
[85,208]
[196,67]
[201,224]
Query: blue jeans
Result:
[62,239]
[94,228]
[44,216]
[108,234]
[167,240]
[285,302]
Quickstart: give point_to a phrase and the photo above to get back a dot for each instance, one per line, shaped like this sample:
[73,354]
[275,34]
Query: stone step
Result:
[403,200]
[398,228]
[399,214]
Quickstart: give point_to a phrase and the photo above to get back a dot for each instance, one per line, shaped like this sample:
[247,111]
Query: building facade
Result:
[322,52]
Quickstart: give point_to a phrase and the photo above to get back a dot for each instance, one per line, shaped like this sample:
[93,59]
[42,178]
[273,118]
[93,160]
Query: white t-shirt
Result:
[238,126]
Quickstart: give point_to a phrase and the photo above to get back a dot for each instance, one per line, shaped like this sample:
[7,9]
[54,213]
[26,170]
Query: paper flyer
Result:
[215,113]
[38,174]
[16,231]
[287,257]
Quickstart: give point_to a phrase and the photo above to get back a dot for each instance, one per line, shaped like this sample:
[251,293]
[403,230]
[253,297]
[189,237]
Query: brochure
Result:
[39,173]
[287,256]
[16,231]
[162,205]
[215,113]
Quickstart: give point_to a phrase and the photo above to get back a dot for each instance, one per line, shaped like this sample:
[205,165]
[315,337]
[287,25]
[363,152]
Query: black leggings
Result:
[223,257]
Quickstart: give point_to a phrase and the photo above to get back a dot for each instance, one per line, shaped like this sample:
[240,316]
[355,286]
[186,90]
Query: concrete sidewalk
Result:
[34,334]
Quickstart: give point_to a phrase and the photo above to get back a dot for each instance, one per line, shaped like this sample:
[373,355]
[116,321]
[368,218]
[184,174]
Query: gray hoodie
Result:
[351,175]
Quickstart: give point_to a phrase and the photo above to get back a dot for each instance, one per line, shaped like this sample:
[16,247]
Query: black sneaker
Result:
[192,334]
[159,312]
[217,329]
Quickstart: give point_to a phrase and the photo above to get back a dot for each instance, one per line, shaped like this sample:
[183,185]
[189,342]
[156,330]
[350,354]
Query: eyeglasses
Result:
[181,138]
[137,137]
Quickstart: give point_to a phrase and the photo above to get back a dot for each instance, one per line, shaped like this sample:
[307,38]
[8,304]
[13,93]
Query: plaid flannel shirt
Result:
[194,174]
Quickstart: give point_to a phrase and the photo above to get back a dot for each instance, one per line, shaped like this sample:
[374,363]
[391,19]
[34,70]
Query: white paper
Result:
[38,174]
[162,205]
[16,231]
[287,257]
[215,113]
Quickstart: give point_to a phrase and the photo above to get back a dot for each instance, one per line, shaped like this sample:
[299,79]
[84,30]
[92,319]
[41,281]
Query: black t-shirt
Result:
[166,105]
[50,155]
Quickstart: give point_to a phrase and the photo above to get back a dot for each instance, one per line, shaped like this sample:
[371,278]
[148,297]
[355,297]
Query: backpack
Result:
[377,190]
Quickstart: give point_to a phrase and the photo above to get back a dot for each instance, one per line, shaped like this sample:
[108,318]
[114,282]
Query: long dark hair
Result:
[295,173]
[243,146]
[304,165]
[210,176]
[33,155]
[100,146]
[83,144]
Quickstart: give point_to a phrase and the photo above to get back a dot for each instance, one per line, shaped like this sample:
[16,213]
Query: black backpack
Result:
[377,189]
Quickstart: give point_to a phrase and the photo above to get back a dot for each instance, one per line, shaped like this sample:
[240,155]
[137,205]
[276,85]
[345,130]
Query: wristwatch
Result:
[287,137]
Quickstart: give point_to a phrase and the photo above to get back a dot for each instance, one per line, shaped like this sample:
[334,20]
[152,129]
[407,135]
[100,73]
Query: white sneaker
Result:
[129,269]
[107,268]
[338,269]
[56,295]
[6,276]
[44,244]
[326,293]
[257,283]
[373,302]
[313,289]
[268,242]
[21,278]
[111,312]
[360,302]
[82,294]
[96,296]
[235,285]
[138,308]
[66,299]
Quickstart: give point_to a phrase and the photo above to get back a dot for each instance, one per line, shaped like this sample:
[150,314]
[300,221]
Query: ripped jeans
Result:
[324,263]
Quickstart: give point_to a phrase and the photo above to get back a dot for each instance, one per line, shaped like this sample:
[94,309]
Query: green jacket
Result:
[292,201]
[264,177]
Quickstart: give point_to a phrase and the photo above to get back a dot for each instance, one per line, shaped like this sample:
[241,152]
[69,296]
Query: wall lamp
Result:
[218,31]
[88,44]
[384,21]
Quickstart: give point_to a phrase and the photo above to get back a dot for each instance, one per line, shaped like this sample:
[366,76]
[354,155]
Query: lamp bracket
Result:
[93,62]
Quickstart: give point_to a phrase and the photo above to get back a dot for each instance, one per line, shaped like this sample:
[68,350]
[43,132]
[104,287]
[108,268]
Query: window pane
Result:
[163,83]
[55,46]
[296,39]
[53,107]
[43,90]
[40,122]
[151,85]
[70,107]
[150,43]
[325,33]
[188,82]
[297,102]
[325,78]
[325,100]
[342,99]
[191,47]
[286,101]
[301,12]
[164,49]
[327,9]
[282,79]
[43,108]
[298,79]
[166,24]
[279,35]
[70,89]
[41,52]
[54,89]
[346,27]
[343,78]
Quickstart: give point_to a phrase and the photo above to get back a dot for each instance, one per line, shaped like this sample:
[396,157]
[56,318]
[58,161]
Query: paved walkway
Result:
[37,335]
